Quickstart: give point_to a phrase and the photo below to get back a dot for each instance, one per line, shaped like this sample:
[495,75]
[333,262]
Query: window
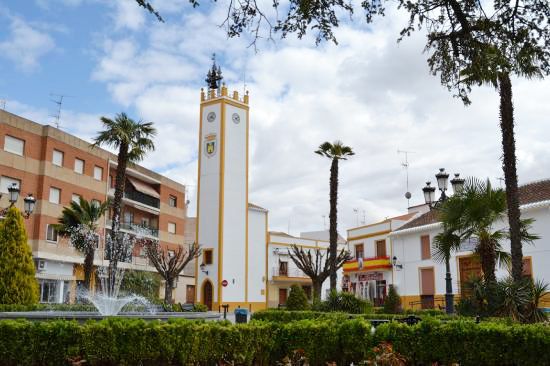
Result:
[172,201]
[527,267]
[283,268]
[57,158]
[207,257]
[128,217]
[51,233]
[425,247]
[79,166]
[48,290]
[55,195]
[145,222]
[98,172]
[359,253]
[171,228]
[380,248]
[76,198]
[14,145]
[6,182]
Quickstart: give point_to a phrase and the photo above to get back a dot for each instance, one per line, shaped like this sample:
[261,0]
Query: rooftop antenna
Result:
[3,104]
[405,164]
[356,212]
[59,102]
[364,218]
[500,180]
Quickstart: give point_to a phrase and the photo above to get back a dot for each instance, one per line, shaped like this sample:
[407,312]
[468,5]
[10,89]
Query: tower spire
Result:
[214,75]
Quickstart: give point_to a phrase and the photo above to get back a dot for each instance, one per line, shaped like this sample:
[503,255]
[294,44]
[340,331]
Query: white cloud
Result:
[128,15]
[25,44]
[373,94]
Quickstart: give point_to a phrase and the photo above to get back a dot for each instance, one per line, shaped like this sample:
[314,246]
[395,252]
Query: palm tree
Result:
[444,244]
[79,222]
[335,152]
[133,140]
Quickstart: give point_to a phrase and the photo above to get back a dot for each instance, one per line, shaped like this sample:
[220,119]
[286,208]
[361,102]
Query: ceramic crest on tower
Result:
[214,75]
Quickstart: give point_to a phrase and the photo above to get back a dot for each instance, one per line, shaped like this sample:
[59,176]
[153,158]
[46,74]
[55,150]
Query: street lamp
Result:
[203,269]
[457,183]
[13,192]
[442,178]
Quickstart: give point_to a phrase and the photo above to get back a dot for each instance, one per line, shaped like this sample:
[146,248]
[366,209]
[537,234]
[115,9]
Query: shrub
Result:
[200,308]
[392,304]
[346,302]
[297,299]
[141,283]
[17,282]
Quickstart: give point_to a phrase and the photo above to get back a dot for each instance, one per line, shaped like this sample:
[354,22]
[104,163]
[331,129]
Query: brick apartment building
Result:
[56,168]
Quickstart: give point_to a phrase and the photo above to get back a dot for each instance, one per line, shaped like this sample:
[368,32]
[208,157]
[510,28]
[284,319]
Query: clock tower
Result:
[221,273]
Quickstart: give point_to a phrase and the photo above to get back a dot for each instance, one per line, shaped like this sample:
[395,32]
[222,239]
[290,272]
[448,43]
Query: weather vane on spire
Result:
[214,75]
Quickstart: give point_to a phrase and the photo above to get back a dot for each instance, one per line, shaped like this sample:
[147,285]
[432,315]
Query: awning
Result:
[143,188]
[52,276]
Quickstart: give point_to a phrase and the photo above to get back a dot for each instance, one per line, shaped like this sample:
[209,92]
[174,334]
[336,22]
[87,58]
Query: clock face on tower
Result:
[211,117]
[236,118]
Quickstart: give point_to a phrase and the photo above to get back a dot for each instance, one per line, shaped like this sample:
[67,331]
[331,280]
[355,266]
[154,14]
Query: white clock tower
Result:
[221,273]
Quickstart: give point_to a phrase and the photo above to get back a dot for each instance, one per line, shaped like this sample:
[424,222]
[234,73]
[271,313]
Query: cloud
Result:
[25,44]
[370,92]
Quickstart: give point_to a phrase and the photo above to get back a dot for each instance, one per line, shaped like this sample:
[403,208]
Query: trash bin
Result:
[241,315]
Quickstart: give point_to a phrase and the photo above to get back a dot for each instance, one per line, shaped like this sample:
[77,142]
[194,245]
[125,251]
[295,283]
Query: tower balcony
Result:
[289,275]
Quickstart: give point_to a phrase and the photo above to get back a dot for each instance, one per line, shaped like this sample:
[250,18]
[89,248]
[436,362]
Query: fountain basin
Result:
[83,316]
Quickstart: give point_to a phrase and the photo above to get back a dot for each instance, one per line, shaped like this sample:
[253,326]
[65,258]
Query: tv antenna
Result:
[356,212]
[405,165]
[3,104]
[59,102]
[500,180]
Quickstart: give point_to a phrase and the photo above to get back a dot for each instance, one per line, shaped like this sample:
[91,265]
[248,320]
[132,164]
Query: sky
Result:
[369,91]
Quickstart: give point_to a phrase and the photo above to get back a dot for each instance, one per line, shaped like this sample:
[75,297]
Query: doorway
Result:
[470,268]
[282,296]
[207,294]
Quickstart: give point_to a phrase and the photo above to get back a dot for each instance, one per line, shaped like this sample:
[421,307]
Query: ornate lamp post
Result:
[14,192]
[457,183]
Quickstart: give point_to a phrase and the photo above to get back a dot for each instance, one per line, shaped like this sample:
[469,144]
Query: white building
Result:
[241,262]
[421,281]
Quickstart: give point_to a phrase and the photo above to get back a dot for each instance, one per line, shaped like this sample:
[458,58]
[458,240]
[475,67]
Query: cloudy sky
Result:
[375,95]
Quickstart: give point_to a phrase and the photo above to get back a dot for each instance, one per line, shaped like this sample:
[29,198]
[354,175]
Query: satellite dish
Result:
[408,195]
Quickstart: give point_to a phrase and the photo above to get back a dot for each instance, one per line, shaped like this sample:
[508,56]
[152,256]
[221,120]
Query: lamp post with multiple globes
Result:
[29,201]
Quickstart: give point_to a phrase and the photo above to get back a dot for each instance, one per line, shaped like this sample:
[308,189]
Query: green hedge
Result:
[47,307]
[183,342]
[286,316]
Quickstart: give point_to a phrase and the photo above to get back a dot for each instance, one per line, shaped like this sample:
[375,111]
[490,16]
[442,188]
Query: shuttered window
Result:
[425,247]
[380,248]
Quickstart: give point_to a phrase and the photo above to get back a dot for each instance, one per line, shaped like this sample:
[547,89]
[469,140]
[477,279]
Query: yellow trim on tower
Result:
[198,201]
[226,100]
[246,210]
[221,204]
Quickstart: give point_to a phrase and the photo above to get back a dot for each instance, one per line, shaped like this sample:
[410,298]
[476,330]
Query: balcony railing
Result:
[142,198]
[367,264]
[137,229]
[292,272]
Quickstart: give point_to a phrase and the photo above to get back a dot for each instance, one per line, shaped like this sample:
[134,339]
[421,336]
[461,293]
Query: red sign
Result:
[225,283]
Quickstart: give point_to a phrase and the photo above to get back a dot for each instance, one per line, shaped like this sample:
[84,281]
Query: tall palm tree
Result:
[133,140]
[444,244]
[79,222]
[335,152]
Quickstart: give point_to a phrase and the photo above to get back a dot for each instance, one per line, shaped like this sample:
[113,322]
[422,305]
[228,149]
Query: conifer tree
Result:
[17,282]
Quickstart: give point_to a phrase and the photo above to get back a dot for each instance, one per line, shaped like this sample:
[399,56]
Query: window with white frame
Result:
[171,228]
[98,172]
[6,182]
[14,145]
[55,195]
[79,166]
[172,201]
[51,233]
[75,198]
[57,158]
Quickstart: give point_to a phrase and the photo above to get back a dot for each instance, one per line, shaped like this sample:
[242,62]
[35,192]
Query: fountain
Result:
[107,299]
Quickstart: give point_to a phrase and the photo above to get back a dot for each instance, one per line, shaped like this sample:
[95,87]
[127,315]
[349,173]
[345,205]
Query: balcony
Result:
[132,228]
[142,198]
[367,264]
[292,275]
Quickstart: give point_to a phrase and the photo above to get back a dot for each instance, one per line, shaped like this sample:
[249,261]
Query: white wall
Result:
[257,255]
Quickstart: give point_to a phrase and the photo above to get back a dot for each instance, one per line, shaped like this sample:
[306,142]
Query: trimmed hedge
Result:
[286,316]
[183,342]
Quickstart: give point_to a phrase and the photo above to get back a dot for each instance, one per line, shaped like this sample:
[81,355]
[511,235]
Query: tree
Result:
[147,6]
[392,304]
[297,299]
[133,140]
[169,263]
[78,221]
[444,244]
[315,267]
[17,281]
[335,152]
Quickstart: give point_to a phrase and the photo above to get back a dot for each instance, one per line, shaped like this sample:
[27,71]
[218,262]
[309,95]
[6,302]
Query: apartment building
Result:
[58,168]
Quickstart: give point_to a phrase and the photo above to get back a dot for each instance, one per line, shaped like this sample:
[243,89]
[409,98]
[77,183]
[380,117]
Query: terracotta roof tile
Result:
[528,193]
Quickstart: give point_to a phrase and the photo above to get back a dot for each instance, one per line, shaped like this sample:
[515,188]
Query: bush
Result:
[346,302]
[200,308]
[119,341]
[392,304]
[297,299]
[17,282]
[141,283]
